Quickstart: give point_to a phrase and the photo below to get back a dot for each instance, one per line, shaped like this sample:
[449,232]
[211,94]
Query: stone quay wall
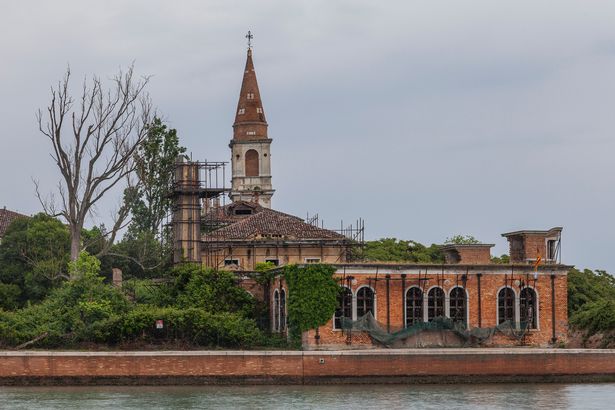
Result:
[307,367]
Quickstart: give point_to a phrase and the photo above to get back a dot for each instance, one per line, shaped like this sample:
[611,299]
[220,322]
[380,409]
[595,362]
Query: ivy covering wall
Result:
[312,297]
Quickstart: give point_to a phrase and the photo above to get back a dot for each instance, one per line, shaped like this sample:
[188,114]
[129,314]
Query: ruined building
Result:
[246,231]
[520,302]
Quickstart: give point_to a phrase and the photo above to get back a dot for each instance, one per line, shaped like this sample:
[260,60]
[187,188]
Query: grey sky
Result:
[427,118]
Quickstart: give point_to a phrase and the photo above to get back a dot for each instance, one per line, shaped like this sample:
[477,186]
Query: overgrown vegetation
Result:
[591,303]
[397,250]
[198,307]
[312,297]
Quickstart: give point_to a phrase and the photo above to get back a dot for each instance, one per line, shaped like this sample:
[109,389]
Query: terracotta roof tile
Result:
[268,223]
[6,217]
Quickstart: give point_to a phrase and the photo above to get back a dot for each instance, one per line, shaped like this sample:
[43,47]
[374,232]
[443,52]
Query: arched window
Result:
[344,307]
[528,308]
[435,303]
[282,310]
[414,306]
[506,305]
[365,301]
[457,303]
[252,163]
[276,311]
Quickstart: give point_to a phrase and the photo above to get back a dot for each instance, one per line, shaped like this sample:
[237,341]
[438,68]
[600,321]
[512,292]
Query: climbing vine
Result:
[312,297]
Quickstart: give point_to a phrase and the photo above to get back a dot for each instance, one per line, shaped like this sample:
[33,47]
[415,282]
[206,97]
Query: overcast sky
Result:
[426,118]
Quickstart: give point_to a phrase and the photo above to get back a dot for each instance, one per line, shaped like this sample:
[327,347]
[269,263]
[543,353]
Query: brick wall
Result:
[302,367]
[391,313]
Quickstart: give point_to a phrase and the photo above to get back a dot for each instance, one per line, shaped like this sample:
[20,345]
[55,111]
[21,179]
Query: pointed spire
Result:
[250,123]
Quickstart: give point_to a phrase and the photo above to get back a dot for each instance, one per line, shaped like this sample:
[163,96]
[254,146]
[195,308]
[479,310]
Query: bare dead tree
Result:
[93,146]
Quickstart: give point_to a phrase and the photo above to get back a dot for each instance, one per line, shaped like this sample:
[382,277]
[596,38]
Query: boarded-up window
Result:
[252,163]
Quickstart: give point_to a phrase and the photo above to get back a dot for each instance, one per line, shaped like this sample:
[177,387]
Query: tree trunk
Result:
[75,244]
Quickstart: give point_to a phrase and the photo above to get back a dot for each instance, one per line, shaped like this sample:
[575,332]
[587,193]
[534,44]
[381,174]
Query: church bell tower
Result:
[250,146]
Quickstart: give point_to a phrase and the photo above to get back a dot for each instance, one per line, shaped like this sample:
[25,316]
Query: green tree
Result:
[155,164]
[395,250]
[33,256]
[462,240]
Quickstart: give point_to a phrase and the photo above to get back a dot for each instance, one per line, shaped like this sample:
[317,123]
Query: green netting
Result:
[469,337]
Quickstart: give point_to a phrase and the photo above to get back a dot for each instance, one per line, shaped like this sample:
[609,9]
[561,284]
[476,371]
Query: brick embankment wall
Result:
[292,367]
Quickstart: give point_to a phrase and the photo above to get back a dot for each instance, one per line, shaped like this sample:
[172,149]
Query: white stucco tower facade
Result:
[250,146]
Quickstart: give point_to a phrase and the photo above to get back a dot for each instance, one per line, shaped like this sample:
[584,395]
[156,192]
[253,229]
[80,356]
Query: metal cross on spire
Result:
[249,36]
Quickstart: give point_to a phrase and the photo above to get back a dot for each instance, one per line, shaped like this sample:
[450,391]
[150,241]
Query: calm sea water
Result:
[494,396]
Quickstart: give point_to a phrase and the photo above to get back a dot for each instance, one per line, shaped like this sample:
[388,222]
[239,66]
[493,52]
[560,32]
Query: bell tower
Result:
[250,146]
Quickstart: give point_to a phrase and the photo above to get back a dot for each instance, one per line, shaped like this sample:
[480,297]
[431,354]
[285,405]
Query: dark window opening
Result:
[276,262]
[365,302]
[231,262]
[282,310]
[344,307]
[458,308]
[252,169]
[528,308]
[435,303]
[506,305]
[243,212]
[276,311]
[414,306]
[551,249]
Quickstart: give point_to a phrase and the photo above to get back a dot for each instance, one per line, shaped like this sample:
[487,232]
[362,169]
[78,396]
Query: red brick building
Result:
[468,289]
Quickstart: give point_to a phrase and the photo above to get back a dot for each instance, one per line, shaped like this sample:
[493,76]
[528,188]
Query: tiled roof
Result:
[267,223]
[6,217]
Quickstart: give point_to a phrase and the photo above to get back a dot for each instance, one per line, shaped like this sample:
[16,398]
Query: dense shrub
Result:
[312,296]
[596,316]
[193,325]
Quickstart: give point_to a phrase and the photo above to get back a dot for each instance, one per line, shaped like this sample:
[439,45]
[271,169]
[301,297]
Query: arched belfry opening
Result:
[252,169]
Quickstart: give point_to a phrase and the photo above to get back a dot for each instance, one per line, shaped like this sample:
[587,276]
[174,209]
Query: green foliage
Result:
[394,250]
[461,240]
[588,286]
[9,296]
[312,296]
[591,302]
[140,255]
[214,291]
[210,310]
[596,316]
[195,325]
[504,259]
[155,162]
[74,312]
[33,256]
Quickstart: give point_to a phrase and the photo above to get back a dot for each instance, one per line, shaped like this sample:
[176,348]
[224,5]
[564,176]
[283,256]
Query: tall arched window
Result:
[506,305]
[435,303]
[457,303]
[252,163]
[365,301]
[282,310]
[414,306]
[344,307]
[276,311]
[528,308]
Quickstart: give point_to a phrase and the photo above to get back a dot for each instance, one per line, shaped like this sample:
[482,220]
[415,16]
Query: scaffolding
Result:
[197,189]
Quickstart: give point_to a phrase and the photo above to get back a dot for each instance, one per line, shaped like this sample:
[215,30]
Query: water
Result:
[492,396]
